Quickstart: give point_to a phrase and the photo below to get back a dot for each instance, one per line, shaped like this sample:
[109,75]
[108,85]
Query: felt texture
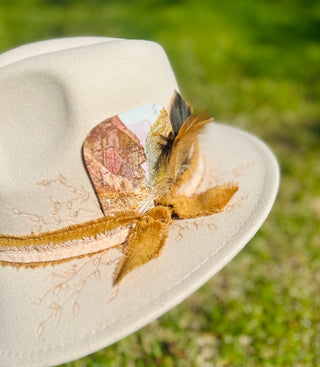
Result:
[52,101]
[54,93]
[195,250]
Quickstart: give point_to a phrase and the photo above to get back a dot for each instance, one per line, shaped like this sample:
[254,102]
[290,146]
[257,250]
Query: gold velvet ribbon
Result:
[148,232]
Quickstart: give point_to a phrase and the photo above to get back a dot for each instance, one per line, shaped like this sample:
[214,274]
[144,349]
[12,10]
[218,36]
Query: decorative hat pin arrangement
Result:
[107,225]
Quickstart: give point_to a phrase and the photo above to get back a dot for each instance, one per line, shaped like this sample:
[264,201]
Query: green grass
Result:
[254,64]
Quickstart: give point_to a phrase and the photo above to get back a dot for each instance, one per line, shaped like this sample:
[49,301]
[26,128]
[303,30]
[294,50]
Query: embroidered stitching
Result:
[148,301]
[70,282]
[127,315]
[62,211]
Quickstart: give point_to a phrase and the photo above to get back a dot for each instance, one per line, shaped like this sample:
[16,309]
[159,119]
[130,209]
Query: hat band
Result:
[177,174]
[144,234]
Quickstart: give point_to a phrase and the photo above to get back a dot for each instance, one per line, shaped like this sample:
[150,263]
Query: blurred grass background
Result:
[254,64]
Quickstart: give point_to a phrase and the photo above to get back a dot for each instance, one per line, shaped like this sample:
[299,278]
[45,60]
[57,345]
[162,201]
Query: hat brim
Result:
[69,310]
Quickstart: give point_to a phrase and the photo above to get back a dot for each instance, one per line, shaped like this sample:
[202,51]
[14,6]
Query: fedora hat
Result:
[117,201]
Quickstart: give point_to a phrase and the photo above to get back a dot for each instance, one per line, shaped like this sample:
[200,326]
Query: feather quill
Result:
[172,152]
[180,110]
[180,147]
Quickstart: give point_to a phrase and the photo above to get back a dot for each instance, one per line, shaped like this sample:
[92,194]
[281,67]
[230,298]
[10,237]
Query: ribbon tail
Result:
[145,243]
[209,202]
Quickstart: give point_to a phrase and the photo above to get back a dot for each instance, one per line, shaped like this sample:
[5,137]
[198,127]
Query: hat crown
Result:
[55,93]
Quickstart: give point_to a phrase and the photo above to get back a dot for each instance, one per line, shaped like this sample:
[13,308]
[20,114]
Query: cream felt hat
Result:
[59,249]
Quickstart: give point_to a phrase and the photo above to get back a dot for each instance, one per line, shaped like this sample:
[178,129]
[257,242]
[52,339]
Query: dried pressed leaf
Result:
[54,306]
[56,290]
[37,301]
[75,309]
[97,274]
[40,329]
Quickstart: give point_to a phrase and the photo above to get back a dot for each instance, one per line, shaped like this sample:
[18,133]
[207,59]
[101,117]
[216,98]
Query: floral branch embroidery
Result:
[62,211]
[215,178]
[68,287]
